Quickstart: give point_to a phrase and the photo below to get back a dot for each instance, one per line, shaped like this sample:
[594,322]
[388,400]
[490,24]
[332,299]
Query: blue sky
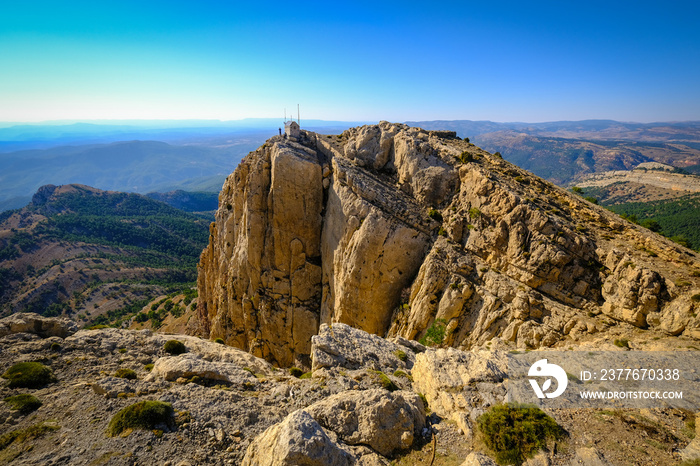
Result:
[502,61]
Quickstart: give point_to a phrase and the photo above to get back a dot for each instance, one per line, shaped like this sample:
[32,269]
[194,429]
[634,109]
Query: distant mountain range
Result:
[197,155]
[133,166]
[564,151]
[133,156]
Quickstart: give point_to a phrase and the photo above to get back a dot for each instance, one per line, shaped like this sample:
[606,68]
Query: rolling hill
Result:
[95,255]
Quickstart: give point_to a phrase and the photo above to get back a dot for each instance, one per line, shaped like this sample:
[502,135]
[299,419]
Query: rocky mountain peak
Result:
[405,232]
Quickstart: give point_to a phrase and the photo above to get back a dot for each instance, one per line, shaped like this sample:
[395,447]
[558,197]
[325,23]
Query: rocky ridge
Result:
[397,231]
[231,407]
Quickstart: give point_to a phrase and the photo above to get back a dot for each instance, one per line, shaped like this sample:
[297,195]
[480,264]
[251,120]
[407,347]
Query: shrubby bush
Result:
[174,347]
[142,415]
[29,375]
[515,432]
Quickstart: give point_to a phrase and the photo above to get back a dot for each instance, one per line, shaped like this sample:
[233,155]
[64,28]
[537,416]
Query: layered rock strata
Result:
[410,233]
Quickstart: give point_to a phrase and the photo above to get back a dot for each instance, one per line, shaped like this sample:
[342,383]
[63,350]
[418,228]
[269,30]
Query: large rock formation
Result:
[404,232]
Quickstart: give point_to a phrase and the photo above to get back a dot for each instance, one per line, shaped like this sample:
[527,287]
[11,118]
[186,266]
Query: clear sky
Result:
[503,61]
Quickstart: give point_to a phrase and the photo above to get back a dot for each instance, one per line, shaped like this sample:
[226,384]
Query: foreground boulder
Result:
[188,366]
[382,420]
[342,346]
[459,385]
[339,429]
[297,441]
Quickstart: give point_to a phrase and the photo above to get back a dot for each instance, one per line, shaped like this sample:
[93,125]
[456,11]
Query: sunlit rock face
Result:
[404,232]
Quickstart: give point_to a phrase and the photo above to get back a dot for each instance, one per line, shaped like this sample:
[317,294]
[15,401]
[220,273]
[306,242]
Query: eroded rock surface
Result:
[399,231]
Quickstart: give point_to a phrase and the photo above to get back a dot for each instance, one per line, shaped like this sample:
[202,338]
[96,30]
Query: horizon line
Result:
[98,121]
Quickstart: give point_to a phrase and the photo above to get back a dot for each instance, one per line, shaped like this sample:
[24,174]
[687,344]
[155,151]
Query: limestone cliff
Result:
[394,229]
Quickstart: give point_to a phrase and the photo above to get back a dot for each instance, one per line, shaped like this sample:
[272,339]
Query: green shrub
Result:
[142,415]
[622,343]
[23,403]
[442,232]
[29,375]
[306,375]
[219,341]
[435,215]
[125,373]
[465,157]
[474,213]
[435,334]
[148,367]
[296,372]
[695,297]
[55,347]
[515,432]
[174,347]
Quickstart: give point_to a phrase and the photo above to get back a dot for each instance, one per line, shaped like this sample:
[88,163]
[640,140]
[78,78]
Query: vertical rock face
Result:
[405,232]
[260,277]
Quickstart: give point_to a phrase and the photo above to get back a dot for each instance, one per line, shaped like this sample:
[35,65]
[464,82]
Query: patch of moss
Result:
[145,415]
[400,373]
[174,347]
[30,433]
[219,341]
[306,375]
[296,372]
[125,373]
[29,375]
[386,381]
[23,403]
[401,355]
[515,432]
[425,403]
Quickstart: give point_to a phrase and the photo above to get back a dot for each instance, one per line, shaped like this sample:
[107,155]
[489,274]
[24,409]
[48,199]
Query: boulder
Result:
[478,459]
[457,382]
[190,365]
[342,346]
[297,441]
[38,325]
[384,421]
[588,456]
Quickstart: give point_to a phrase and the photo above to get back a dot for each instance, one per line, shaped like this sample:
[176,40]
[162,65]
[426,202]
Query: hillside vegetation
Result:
[95,255]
